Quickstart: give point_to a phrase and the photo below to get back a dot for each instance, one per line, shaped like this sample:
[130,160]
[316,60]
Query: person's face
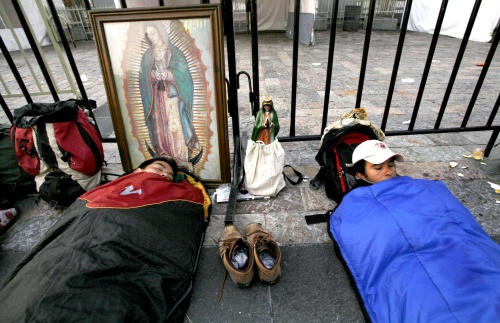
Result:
[379,172]
[152,35]
[161,168]
[267,108]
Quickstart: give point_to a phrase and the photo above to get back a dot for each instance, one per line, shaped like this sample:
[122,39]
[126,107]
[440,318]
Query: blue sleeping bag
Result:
[417,254]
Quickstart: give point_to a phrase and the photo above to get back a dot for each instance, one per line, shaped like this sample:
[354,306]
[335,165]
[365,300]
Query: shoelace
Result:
[262,238]
[261,242]
[226,245]
[222,287]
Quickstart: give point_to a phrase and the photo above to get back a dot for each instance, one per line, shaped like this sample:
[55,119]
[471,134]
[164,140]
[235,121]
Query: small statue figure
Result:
[266,126]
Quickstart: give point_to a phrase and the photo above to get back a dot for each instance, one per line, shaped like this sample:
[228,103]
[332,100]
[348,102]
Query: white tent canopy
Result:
[424,14]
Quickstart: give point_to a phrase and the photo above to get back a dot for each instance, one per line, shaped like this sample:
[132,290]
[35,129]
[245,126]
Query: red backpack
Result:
[58,144]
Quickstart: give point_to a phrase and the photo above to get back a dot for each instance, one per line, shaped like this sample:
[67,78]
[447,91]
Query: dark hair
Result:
[168,160]
[359,167]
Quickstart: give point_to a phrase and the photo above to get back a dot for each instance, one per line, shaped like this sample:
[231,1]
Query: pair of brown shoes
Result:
[240,256]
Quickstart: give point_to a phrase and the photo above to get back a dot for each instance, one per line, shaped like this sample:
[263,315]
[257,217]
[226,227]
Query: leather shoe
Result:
[266,251]
[236,256]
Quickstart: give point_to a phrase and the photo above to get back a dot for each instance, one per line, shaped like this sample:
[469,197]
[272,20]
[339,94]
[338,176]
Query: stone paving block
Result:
[434,153]
[491,168]
[441,170]
[395,142]
[478,137]
[309,291]
[287,201]
[481,200]
[43,210]
[290,228]
[315,201]
[323,293]
[234,302]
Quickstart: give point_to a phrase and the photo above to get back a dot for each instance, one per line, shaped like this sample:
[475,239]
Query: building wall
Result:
[34,18]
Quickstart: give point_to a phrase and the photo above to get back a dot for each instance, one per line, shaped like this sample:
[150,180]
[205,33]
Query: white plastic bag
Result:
[264,168]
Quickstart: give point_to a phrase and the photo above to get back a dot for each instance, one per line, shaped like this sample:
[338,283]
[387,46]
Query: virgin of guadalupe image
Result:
[167,92]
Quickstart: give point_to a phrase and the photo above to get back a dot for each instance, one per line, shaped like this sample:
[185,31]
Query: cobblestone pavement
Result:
[314,286]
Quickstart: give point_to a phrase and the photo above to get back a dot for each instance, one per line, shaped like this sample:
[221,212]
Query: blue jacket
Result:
[417,254]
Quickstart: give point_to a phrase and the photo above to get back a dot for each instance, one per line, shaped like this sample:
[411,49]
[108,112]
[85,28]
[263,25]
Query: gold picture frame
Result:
[163,70]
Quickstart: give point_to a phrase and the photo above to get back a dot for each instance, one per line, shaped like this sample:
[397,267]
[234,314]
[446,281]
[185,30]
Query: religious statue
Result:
[266,126]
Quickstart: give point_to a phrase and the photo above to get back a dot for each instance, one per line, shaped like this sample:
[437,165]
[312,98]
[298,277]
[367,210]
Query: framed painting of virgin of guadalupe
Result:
[163,69]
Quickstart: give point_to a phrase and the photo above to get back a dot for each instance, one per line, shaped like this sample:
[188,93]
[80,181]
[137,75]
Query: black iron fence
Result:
[437,128]
[253,76]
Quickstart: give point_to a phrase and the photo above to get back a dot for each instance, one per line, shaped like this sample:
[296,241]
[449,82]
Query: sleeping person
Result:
[162,166]
[124,251]
[413,250]
[374,162]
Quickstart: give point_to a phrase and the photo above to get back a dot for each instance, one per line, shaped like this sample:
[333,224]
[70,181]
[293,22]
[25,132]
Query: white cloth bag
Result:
[264,168]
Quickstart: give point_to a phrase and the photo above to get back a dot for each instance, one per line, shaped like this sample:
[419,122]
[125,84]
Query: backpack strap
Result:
[318,218]
[299,175]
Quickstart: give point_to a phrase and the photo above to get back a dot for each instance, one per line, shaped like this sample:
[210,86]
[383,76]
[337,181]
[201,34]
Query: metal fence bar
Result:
[491,142]
[458,60]
[295,59]
[72,63]
[397,60]
[366,48]
[58,51]
[15,72]
[493,112]
[231,58]
[227,8]
[331,52]
[6,109]
[255,100]
[428,63]
[8,22]
[496,130]
[36,51]
[479,83]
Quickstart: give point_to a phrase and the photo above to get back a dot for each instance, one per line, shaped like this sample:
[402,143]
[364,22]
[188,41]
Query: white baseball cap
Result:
[374,151]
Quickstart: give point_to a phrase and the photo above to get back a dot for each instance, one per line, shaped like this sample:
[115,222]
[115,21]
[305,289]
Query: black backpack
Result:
[335,159]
